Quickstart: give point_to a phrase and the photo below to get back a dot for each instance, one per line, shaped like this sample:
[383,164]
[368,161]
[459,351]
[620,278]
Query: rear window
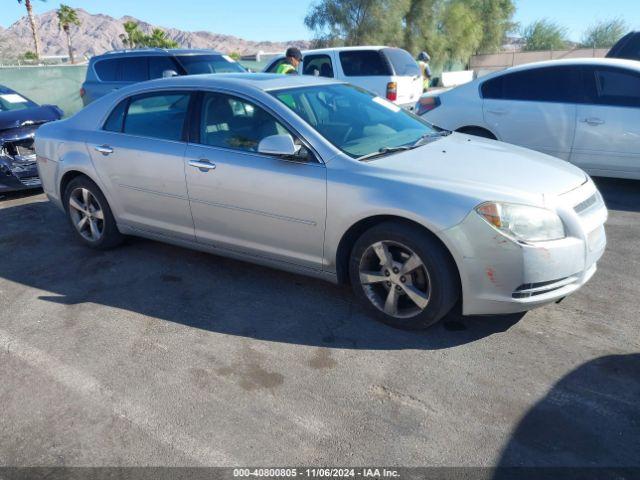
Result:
[364,63]
[628,47]
[402,62]
[198,64]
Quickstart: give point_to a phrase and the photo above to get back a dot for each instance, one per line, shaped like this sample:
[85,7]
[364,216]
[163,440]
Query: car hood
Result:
[20,119]
[463,161]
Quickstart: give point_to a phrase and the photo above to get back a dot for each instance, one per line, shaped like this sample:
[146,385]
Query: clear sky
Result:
[283,19]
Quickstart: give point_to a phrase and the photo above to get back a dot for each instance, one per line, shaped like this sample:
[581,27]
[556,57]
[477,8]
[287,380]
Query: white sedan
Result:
[585,111]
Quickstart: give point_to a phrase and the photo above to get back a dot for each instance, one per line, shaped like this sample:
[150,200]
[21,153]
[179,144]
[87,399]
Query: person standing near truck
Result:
[291,62]
[423,62]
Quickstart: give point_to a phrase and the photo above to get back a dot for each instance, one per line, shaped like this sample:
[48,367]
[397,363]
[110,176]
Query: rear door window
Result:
[319,65]
[160,64]
[402,62]
[364,63]
[555,84]
[157,115]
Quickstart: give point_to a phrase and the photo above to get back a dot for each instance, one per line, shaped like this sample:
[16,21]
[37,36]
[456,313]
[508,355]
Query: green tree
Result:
[461,29]
[132,36]
[34,26]
[135,38]
[496,17]
[604,34]
[354,22]
[544,34]
[159,39]
[67,16]
[29,56]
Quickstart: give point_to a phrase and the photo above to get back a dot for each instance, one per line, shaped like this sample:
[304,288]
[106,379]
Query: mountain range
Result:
[98,33]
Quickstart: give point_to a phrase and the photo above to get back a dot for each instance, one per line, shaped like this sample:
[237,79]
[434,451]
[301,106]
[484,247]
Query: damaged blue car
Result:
[19,119]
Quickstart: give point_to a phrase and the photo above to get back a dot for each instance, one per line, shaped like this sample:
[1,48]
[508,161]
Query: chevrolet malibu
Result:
[322,178]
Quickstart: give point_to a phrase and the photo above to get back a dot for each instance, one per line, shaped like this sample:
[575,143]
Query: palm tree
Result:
[34,27]
[133,35]
[67,16]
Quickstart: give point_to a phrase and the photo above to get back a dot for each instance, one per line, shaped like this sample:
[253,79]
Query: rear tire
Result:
[403,275]
[477,132]
[90,215]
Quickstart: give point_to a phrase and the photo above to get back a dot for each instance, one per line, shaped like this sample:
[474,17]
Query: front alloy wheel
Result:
[395,279]
[404,275]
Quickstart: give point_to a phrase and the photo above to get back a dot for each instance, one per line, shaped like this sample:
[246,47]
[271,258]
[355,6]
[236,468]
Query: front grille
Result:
[586,204]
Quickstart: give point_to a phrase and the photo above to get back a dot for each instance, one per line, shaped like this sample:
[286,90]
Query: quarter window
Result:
[157,115]
[556,84]
[230,122]
[107,70]
[617,87]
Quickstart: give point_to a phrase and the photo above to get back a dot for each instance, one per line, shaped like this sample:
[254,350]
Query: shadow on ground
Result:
[590,418]
[620,194]
[204,291]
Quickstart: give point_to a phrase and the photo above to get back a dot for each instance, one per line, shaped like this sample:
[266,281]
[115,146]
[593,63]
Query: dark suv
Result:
[627,47]
[119,68]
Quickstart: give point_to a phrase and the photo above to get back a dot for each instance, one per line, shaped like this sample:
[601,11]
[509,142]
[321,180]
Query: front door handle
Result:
[203,164]
[593,121]
[104,149]
[497,111]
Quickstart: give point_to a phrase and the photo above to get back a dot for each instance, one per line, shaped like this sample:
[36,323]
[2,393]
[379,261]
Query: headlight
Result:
[530,224]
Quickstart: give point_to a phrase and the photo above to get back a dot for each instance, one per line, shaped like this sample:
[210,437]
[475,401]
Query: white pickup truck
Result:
[389,72]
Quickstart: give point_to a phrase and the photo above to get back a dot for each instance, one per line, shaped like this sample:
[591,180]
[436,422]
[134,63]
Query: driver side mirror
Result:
[281,145]
[169,73]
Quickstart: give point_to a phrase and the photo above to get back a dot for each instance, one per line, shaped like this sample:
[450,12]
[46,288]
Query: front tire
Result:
[90,215]
[403,275]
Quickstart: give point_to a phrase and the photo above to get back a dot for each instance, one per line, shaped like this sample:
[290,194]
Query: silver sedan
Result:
[325,179]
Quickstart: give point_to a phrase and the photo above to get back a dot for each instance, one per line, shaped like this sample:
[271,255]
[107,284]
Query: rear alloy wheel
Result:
[404,275]
[90,215]
[86,214]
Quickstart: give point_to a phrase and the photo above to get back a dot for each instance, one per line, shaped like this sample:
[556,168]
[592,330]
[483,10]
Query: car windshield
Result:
[356,121]
[197,64]
[10,100]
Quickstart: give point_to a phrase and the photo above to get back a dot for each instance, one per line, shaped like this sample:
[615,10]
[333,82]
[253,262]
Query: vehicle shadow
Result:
[204,291]
[589,419]
[619,193]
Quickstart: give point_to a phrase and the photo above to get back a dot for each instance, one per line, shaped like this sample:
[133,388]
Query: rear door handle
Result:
[203,164]
[593,121]
[104,149]
[497,111]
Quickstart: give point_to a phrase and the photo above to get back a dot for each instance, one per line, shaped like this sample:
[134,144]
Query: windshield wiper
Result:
[383,151]
[430,136]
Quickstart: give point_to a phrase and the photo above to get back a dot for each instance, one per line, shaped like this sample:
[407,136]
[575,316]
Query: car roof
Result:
[571,62]
[136,52]
[260,81]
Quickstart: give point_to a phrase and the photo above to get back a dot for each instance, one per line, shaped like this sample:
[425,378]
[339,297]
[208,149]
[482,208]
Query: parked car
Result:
[585,111]
[119,68]
[391,73]
[628,47]
[326,179]
[19,119]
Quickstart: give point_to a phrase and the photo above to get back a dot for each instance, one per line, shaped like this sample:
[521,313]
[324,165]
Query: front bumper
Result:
[16,176]
[500,275]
